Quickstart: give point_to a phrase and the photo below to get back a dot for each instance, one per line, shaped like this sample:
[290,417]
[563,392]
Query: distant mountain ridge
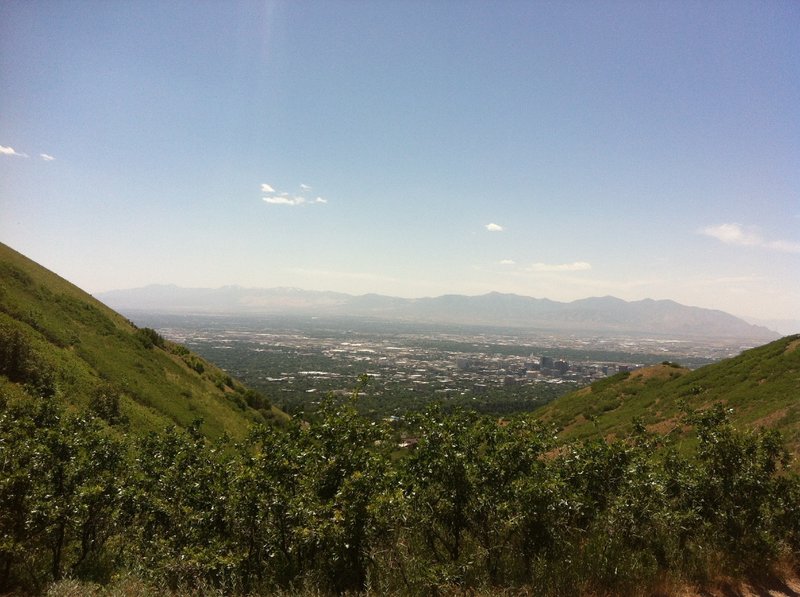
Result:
[597,314]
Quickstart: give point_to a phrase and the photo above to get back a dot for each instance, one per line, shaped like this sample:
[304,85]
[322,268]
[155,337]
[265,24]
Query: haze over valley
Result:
[607,315]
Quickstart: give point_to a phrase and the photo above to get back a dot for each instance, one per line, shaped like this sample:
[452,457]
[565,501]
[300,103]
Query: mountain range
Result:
[602,315]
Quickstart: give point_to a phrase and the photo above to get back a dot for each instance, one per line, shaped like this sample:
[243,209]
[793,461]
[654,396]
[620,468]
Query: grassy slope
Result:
[761,385]
[87,345]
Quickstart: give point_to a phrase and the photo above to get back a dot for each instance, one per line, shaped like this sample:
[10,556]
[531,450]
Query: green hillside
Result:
[56,340]
[761,386]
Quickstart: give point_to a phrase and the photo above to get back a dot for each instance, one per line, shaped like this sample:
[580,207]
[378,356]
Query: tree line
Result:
[334,505]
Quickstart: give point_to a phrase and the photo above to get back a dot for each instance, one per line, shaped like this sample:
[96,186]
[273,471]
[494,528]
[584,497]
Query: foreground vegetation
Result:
[334,506]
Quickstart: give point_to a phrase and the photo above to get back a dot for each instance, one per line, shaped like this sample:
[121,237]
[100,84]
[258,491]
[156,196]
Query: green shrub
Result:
[150,338]
[333,506]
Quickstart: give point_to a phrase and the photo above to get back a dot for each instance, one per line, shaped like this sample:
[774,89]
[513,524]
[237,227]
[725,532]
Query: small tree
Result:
[58,488]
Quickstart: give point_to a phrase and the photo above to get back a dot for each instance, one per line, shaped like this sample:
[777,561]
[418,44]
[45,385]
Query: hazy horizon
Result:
[142,299]
[410,149]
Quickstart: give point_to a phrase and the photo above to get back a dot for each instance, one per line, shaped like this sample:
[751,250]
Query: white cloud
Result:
[11,151]
[507,262]
[577,266]
[492,227]
[733,234]
[46,157]
[274,197]
[736,234]
[293,201]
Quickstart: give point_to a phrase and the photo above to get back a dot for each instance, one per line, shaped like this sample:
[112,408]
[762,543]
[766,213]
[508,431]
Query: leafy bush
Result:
[149,338]
[21,362]
[59,480]
[104,403]
[334,506]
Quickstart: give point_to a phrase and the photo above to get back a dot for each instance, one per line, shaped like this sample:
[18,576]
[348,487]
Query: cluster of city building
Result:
[447,371]
[310,359]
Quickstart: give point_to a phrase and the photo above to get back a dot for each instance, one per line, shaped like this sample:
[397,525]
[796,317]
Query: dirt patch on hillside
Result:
[769,587]
[664,427]
[772,418]
[577,422]
[792,346]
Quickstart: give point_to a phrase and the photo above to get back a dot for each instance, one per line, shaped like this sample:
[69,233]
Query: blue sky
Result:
[551,149]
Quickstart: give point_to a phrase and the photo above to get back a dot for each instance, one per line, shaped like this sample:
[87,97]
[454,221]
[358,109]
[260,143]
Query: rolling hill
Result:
[599,315]
[761,386]
[56,340]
